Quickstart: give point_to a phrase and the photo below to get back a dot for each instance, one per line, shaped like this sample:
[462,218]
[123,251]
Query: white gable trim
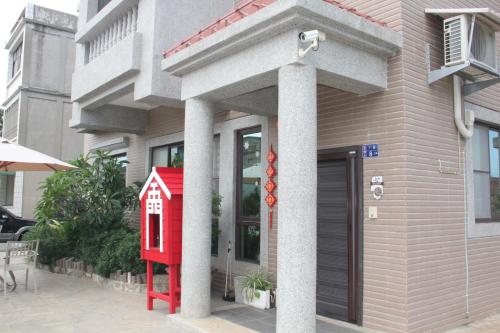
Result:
[155,176]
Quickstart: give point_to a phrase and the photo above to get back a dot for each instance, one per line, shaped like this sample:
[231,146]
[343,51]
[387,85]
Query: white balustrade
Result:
[113,34]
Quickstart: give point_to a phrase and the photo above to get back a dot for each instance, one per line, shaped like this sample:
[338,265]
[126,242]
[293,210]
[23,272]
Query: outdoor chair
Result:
[20,256]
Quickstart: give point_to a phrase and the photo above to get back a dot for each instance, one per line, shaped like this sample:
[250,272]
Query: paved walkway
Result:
[488,325]
[65,304]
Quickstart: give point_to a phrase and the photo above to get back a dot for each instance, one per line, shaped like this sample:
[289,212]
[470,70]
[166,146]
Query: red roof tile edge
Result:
[246,9]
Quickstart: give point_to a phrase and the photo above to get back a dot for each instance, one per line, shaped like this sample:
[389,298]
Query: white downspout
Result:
[466,232]
[466,130]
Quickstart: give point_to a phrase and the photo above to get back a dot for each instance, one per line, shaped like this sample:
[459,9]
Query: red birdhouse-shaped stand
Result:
[161,231]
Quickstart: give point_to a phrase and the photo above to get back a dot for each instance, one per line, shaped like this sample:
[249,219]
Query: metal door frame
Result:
[353,156]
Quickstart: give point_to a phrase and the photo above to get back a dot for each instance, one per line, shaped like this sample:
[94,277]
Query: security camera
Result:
[310,36]
[313,37]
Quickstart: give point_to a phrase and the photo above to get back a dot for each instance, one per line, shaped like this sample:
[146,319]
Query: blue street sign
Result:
[370,151]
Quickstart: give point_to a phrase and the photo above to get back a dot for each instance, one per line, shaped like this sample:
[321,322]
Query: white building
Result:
[38,105]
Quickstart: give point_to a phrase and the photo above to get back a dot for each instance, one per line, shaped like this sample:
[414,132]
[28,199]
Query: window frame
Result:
[10,189]
[119,154]
[101,4]
[492,219]
[242,221]
[487,116]
[169,153]
[216,221]
[16,60]
[216,177]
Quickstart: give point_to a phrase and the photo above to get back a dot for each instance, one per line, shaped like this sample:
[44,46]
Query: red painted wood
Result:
[171,212]
[172,219]
[149,282]
[173,283]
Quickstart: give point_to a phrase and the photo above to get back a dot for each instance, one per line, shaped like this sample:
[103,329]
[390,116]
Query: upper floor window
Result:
[16,60]
[168,156]
[486,159]
[101,4]
[122,158]
[7,180]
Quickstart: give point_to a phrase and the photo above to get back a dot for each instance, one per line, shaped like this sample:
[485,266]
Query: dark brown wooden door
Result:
[338,287]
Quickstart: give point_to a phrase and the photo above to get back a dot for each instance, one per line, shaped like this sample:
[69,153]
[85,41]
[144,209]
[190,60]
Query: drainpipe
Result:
[466,247]
[466,131]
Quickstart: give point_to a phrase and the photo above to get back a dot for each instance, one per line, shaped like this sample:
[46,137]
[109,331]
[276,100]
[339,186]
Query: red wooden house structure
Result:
[161,230]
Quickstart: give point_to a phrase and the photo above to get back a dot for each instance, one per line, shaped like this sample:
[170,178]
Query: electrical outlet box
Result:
[372,212]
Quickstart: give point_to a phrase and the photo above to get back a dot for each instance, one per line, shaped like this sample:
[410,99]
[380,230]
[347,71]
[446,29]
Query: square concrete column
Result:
[297,142]
[197,209]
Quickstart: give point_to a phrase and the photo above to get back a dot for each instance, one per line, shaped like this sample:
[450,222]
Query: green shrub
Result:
[90,244]
[107,260]
[53,242]
[90,202]
[129,254]
[121,251]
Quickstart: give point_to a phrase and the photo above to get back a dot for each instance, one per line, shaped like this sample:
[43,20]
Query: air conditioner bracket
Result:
[476,86]
[438,74]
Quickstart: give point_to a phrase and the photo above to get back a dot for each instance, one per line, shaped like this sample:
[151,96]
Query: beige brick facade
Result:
[414,254]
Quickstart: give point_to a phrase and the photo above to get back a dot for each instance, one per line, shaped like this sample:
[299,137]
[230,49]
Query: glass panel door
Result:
[249,172]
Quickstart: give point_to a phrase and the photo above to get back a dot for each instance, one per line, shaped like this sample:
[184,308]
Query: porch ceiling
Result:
[245,56]
[262,102]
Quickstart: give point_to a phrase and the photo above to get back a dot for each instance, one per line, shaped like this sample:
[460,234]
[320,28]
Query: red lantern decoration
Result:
[271,185]
[271,171]
[270,200]
[271,156]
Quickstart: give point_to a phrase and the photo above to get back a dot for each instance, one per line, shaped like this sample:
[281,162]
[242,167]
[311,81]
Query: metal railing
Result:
[113,34]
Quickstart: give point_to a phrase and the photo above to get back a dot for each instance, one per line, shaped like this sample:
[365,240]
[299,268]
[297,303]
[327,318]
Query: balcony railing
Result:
[113,34]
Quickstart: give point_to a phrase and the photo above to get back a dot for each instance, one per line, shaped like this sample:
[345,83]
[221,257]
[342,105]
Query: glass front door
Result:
[248,194]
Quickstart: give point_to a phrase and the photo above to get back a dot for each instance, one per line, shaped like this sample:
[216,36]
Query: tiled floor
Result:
[265,320]
[256,319]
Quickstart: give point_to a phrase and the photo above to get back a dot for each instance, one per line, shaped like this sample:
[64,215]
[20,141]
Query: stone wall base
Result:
[118,281]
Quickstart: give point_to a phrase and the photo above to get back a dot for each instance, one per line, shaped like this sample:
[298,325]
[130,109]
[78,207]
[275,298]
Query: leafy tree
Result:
[94,194]
[82,211]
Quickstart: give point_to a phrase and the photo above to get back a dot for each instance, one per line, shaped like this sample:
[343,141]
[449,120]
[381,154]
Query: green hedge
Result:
[81,215]
[121,252]
[53,243]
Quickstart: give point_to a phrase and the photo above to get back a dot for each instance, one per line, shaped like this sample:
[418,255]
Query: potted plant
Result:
[257,290]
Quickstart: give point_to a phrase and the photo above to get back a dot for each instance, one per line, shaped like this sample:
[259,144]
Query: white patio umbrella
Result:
[14,157]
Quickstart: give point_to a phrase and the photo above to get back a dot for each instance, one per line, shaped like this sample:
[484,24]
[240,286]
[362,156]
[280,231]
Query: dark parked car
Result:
[12,228]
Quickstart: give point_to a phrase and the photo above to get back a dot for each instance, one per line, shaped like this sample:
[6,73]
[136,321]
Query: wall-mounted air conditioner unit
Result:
[459,48]
[456,40]
[469,47]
